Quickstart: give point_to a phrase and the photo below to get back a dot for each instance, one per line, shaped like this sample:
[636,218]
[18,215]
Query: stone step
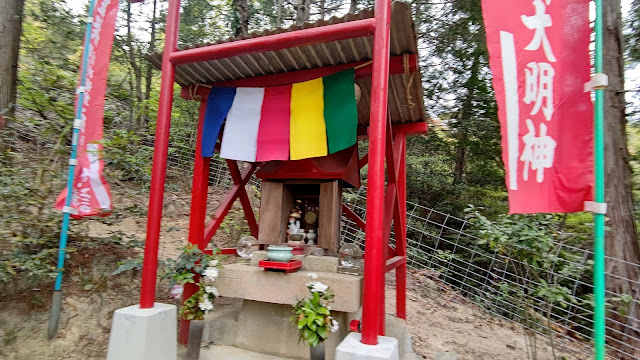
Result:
[218,352]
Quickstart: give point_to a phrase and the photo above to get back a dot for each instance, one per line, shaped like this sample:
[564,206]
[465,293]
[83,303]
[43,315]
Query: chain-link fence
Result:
[445,255]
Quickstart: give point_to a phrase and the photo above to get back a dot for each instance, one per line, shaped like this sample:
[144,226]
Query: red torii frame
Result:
[386,141]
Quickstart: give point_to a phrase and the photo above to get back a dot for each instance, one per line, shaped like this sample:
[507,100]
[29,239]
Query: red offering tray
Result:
[291,266]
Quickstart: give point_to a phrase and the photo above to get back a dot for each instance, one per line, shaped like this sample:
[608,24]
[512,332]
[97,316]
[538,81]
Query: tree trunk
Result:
[621,239]
[149,75]
[241,9]
[278,5]
[303,11]
[137,71]
[10,29]
[464,117]
[323,9]
[354,6]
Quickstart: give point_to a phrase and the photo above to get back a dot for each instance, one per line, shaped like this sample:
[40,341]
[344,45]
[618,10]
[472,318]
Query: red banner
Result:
[539,55]
[91,194]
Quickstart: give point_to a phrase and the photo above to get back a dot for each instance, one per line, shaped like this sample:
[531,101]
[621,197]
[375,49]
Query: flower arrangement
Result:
[194,265]
[313,314]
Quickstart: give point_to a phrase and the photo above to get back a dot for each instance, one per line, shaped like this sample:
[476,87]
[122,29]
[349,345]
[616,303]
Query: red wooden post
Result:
[401,237]
[374,244]
[199,188]
[158,173]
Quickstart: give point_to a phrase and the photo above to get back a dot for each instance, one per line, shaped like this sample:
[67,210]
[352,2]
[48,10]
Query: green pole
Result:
[598,267]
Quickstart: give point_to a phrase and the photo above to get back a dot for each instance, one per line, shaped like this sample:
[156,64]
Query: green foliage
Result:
[190,262]
[28,226]
[127,157]
[545,268]
[313,316]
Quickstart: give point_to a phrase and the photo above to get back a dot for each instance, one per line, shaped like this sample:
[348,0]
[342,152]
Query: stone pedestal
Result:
[351,348]
[144,334]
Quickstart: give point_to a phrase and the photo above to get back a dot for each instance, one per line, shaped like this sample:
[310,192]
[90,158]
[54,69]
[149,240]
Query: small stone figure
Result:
[294,222]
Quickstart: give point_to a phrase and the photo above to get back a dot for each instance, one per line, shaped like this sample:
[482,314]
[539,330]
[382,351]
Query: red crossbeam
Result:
[224,208]
[244,198]
[364,161]
[334,32]
[395,262]
[353,217]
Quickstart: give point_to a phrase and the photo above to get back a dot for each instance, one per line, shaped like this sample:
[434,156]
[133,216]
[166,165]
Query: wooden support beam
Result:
[329,219]
[275,203]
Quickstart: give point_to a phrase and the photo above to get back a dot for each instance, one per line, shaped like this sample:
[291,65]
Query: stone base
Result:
[144,334]
[253,283]
[265,328]
[351,348]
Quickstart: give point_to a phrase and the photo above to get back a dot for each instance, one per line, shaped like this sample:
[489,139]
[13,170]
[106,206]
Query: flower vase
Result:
[195,339]
[317,352]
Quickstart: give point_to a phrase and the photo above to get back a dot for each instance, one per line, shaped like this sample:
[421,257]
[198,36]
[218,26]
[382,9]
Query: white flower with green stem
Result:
[313,314]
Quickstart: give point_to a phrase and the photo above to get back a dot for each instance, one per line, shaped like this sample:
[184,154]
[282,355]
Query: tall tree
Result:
[150,68]
[459,91]
[303,11]
[621,239]
[10,28]
[240,23]
[135,80]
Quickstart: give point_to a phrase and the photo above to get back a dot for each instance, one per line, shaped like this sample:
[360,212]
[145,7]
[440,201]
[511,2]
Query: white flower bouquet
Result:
[194,267]
[313,314]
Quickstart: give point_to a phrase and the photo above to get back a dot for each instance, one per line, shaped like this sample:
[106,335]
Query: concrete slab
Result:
[144,334]
[232,353]
[351,348]
[253,283]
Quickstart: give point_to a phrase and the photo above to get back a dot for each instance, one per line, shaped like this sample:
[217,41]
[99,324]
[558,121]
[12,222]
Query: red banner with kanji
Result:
[539,56]
[91,195]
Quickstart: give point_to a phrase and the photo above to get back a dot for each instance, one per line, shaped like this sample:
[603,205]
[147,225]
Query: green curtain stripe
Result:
[340,111]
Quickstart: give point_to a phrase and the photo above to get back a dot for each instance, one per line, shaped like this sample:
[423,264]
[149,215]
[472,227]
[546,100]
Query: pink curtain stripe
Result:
[273,135]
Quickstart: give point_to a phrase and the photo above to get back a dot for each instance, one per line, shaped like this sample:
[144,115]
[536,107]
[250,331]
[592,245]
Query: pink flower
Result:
[176,291]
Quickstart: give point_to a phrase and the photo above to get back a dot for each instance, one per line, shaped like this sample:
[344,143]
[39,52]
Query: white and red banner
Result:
[539,55]
[90,195]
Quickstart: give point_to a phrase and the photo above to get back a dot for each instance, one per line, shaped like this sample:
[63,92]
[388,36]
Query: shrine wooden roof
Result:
[405,87]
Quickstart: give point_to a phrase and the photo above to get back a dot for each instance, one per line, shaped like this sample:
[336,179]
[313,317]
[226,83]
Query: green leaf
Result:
[323,332]
[324,311]
[310,319]
[313,339]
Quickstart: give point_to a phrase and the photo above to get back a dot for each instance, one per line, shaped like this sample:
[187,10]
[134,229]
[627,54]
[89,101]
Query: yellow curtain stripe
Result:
[308,136]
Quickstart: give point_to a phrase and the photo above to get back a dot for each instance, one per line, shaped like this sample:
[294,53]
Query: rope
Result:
[363,65]
[193,91]
[407,70]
